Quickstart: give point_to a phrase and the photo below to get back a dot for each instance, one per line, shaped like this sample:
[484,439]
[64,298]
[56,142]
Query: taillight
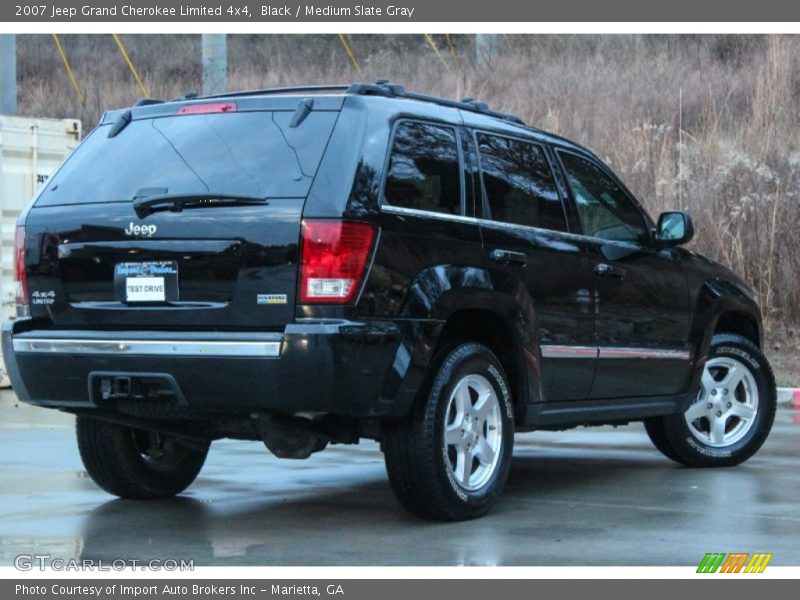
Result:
[20,275]
[334,256]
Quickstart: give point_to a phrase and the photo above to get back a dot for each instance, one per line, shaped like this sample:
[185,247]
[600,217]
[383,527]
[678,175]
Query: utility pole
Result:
[487,45]
[8,74]
[215,63]
[680,148]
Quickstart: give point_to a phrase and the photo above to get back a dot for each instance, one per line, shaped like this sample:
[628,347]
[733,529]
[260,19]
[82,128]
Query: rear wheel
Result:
[732,413]
[135,463]
[449,460]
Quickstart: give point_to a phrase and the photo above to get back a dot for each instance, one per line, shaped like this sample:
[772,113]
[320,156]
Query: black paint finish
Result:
[543,288]
[226,257]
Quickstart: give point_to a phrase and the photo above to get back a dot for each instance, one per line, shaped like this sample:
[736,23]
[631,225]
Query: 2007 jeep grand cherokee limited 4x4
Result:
[318,265]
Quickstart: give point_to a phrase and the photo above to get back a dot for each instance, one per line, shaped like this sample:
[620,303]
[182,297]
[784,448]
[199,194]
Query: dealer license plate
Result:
[155,281]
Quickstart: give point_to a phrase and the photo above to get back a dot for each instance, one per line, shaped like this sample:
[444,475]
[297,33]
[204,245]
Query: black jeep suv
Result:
[318,265]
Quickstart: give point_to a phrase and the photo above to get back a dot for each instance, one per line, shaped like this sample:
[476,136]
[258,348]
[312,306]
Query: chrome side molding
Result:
[612,352]
[569,351]
[645,353]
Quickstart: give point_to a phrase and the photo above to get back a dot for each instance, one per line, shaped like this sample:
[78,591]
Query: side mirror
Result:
[674,229]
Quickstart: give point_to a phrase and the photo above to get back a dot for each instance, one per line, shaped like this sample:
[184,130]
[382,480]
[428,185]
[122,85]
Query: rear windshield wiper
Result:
[177,202]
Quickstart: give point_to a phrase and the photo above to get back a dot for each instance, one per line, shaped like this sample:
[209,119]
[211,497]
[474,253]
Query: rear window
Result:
[247,153]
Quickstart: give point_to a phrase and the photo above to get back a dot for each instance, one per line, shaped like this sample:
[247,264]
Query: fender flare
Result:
[440,292]
[717,297]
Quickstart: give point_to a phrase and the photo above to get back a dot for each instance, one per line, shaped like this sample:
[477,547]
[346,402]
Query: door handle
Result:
[508,257]
[604,270]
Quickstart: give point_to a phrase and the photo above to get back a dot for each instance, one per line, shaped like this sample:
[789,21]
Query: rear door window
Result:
[518,183]
[424,172]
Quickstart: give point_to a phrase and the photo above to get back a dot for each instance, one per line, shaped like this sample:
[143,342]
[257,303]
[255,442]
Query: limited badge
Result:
[48,297]
[271,299]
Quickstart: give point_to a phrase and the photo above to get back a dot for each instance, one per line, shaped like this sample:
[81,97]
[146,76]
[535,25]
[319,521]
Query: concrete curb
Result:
[789,397]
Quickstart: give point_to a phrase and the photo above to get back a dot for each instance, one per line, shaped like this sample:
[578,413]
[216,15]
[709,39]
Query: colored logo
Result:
[736,562]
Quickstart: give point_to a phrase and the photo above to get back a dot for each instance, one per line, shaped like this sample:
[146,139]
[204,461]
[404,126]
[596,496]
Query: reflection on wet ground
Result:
[583,497]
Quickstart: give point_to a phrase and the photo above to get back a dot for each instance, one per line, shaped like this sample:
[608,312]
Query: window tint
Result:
[604,208]
[423,169]
[518,183]
[247,153]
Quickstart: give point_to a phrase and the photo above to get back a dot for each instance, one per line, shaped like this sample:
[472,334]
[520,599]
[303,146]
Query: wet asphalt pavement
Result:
[583,497]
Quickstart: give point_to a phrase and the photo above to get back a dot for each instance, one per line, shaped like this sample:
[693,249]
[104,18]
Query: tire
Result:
[425,472]
[134,463]
[657,434]
[732,415]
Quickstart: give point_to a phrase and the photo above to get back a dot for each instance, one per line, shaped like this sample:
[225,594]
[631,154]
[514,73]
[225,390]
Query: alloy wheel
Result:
[473,432]
[726,405]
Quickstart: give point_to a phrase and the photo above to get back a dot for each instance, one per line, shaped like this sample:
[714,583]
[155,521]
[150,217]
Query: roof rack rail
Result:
[312,89]
[383,87]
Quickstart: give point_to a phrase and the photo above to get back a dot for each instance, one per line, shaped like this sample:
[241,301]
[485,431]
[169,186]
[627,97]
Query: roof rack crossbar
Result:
[282,90]
[383,87]
[148,101]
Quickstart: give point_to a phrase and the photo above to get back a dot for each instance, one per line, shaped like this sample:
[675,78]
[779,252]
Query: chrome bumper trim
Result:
[148,347]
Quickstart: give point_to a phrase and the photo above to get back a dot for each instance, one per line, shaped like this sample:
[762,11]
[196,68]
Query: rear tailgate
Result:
[92,262]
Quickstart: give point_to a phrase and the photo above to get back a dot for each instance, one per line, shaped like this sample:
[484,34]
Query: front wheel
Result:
[732,413]
[134,463]
[449,460]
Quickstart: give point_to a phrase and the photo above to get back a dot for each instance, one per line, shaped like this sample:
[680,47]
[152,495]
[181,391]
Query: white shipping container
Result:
[30,150]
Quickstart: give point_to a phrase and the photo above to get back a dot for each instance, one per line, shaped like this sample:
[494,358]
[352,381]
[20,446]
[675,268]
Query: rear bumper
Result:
[336,367]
